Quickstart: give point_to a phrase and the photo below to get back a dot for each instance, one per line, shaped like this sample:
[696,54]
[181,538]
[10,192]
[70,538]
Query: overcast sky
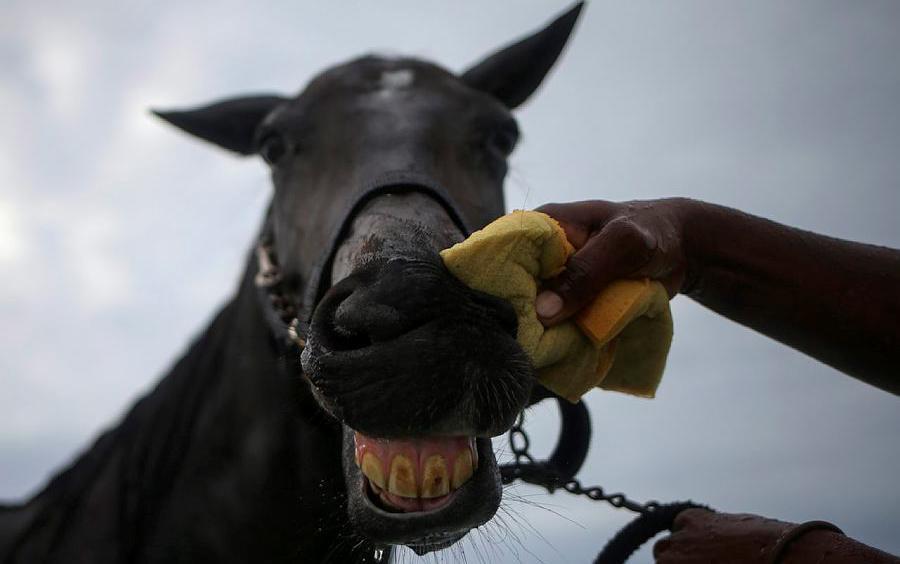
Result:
[119,237]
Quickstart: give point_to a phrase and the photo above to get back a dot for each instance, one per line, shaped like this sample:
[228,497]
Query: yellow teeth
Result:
[462,469]
[371,467]
[435,481]
[406,478]
[403,477]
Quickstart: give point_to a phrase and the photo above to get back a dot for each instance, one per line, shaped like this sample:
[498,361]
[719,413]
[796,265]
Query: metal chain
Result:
[526,468]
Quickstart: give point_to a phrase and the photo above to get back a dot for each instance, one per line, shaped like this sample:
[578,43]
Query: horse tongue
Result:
[407,472]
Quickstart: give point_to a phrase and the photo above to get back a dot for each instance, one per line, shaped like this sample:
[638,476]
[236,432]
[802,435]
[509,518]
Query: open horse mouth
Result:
[425,503]
[420,370]
[415,475]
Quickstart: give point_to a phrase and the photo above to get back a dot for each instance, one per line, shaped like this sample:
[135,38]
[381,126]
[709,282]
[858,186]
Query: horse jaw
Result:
[400,227]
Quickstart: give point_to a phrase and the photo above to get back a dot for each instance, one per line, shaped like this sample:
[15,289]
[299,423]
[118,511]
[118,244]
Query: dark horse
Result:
[379,432]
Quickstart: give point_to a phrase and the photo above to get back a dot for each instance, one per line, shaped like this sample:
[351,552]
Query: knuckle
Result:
[547,208]
[690,518]
[629,232]
[578,275]
[578,269]
[683,519]
[557,211]
[633,240]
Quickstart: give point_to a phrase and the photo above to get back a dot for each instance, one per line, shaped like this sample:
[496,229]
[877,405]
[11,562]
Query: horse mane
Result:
[136,461]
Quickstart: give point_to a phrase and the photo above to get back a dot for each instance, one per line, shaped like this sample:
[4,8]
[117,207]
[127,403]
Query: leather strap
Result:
[290,320]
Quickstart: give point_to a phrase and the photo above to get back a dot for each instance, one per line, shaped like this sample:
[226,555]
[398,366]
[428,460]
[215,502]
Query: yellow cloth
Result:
[619,342]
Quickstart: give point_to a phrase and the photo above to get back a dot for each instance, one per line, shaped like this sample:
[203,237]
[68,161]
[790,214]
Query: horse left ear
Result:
[229,123]
[514,73]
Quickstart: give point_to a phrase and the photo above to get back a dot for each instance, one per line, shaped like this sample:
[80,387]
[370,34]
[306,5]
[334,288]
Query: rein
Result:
[289,321]
[558,472]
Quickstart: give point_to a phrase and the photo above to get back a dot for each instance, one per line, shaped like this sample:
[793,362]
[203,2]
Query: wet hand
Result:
[638,239]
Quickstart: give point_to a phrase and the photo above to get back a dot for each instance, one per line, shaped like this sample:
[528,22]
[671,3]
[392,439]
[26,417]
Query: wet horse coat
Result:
[237,454]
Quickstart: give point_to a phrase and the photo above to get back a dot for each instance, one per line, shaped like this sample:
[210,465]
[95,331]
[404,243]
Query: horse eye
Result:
[503,141]
[272,148]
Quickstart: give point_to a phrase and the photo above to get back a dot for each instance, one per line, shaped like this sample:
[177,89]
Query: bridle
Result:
[289,320]
[280,309]
[289,317]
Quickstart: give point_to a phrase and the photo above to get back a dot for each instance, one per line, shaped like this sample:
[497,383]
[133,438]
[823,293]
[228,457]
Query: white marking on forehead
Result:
[395,79]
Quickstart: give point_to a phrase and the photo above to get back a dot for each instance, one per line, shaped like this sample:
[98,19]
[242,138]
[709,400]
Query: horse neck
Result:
[222,430]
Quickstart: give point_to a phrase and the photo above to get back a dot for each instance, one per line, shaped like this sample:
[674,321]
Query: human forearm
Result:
[700,535]
[837,301]
[826,547]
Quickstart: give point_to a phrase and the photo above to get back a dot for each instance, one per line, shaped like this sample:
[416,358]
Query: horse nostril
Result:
[327,325]
[343,339]
[366,321]
[353,316]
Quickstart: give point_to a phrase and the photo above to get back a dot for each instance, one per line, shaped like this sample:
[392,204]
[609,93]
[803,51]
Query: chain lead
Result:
[525,468]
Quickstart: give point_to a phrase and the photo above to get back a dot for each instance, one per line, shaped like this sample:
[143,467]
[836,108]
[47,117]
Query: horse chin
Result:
[440,523]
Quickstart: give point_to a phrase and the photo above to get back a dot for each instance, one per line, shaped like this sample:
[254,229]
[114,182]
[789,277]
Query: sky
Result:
[120,237]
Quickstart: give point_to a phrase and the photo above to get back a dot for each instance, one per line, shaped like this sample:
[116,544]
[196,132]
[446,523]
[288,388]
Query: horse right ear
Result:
[229,123]
[513,74]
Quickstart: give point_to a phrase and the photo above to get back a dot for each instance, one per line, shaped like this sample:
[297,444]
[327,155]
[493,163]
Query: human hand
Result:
[613,240]
[700,535]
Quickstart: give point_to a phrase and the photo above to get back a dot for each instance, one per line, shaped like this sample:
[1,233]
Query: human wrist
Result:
[829,547]
[691,218]
[812,547]
[807,542]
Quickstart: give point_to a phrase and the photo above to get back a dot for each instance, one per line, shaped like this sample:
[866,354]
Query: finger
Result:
[661,546]
[690,517]
[619,250]
[580,219]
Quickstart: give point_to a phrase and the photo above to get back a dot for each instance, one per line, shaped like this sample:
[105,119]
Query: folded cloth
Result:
[619,342]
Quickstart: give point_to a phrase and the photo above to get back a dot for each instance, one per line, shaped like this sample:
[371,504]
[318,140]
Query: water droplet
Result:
[379,554]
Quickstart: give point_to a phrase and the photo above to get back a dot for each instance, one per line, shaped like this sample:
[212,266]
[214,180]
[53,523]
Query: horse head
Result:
[378,164]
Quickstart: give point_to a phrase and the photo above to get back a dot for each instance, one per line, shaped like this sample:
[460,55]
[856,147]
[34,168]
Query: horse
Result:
[344,400]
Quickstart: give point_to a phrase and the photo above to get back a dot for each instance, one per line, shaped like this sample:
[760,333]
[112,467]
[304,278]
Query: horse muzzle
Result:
[421,370]
[402,349]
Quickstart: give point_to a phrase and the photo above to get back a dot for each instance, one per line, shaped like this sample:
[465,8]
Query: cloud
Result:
[12,240]
[103,280]
[59,57]
[119,237]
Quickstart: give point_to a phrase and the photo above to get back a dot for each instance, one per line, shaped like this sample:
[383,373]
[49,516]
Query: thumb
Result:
[619,250]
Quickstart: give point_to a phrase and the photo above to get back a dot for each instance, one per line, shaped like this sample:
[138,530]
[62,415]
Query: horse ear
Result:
[514,73]
[228,123]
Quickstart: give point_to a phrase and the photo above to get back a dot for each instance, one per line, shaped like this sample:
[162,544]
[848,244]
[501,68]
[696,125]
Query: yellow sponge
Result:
[619,342]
